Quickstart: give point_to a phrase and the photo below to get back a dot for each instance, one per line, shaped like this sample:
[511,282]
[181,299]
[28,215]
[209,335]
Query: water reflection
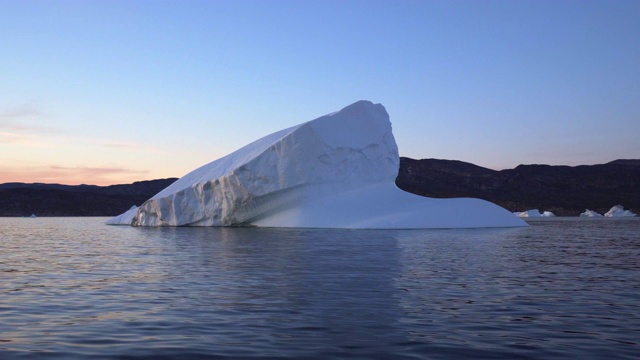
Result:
[322,286]
[76,288]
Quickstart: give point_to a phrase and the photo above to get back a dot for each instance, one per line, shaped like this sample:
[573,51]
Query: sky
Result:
[115,91]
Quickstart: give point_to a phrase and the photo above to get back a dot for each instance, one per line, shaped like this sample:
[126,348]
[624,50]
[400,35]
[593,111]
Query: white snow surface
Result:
[619,211]
[337,171]
[590,213]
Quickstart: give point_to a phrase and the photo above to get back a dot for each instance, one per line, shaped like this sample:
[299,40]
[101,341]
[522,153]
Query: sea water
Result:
[561,288]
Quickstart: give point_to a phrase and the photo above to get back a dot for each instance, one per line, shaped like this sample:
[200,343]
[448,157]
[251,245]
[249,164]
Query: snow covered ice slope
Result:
[336,171]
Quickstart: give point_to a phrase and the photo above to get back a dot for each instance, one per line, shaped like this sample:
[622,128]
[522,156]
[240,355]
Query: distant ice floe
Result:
[528,213]
[534,213]
[619,211]
[590,213]
[616,211]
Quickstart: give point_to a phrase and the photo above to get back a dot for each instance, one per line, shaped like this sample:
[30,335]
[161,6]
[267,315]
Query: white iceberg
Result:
[590,213]
[336,171]
[619,211]
[533,213]
[528,213]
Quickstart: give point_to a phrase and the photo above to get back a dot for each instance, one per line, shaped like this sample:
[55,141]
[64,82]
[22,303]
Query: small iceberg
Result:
[528,213]
[619,211]
[33,216]
[534,213]
[590,213]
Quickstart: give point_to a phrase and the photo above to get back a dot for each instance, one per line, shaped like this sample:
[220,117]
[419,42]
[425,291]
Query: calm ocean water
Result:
[75,288]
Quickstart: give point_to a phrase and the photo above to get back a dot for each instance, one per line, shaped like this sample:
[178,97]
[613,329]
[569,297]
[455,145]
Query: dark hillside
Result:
[564,190]
[17,199]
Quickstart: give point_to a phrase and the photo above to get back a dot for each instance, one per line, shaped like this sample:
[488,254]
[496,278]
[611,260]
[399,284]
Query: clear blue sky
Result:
[115,91]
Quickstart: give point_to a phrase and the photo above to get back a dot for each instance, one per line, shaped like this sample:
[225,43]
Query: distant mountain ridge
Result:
[564,190]
[20,199]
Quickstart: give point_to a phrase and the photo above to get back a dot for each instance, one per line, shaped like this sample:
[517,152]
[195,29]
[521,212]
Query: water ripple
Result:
[74,288]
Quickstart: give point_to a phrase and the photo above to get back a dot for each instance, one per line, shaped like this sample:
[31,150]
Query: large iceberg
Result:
[336,171]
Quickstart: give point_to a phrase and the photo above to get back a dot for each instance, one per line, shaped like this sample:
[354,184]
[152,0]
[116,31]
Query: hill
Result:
[564,190]
[19,199]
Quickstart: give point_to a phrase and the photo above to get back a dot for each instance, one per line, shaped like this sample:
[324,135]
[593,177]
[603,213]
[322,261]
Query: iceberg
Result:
[528,213]
[533,213]
[619,211]
[337,171]
[590,213]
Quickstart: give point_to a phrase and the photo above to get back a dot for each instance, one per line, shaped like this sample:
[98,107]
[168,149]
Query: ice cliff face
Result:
[334,171]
